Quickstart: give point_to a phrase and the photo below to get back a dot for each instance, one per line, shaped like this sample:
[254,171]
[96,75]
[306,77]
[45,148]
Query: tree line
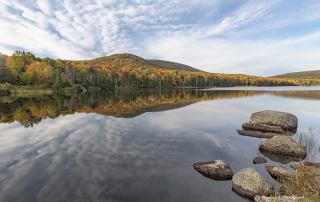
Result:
[24,69]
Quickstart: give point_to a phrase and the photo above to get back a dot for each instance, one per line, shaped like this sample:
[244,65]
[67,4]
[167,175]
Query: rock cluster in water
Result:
[268,123]
[248,183]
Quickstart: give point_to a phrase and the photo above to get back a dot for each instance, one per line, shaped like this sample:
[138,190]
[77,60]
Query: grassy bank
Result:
[306,181]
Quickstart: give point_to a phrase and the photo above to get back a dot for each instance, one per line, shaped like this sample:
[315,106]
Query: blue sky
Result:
[228,36]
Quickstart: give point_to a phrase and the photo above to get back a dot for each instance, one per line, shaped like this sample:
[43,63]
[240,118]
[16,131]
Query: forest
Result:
[119,71]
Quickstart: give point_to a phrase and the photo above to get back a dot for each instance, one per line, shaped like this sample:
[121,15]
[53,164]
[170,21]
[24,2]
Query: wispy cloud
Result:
[252,37]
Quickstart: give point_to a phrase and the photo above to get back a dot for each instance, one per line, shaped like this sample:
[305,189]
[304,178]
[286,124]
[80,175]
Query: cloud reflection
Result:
[91,157]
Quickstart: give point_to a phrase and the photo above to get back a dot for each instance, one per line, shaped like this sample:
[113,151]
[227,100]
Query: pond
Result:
[136,146]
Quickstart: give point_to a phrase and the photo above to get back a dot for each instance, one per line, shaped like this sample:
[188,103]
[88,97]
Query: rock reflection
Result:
[280,158]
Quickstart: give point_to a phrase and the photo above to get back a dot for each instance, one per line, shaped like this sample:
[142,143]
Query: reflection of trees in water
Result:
[31,110]
[306,95]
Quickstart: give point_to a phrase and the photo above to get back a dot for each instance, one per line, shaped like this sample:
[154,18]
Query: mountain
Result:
[313,74]
[133,61]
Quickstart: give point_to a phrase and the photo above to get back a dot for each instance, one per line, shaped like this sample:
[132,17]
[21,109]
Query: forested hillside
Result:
[313,74]
[173,65]
[119,71]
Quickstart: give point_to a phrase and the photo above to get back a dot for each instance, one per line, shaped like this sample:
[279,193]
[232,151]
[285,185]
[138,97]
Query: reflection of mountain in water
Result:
[31,110]
[305,95]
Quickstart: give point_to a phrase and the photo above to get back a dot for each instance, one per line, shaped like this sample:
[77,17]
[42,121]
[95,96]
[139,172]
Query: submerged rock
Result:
[283,145]
[279,172]
[259,160]
[267,118]
[248,182]
[216,170]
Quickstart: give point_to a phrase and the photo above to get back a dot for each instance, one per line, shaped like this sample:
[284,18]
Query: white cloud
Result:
[218,36]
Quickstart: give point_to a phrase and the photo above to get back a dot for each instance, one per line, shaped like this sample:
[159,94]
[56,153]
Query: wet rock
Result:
[279,172]
[259,160]
[216,170]
[286,121]
[248,183]
[281,158]
[262,127]
[256,134]
[283,145]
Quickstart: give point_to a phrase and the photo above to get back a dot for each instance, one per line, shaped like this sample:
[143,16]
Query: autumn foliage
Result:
[121,71]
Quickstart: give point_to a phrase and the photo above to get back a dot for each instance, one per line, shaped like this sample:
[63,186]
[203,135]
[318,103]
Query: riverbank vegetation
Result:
[25,71]
[305,183]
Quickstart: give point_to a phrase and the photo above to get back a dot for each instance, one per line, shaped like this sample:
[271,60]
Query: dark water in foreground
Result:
[135,147]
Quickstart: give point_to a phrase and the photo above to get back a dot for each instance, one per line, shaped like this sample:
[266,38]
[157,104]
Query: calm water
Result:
[137,146]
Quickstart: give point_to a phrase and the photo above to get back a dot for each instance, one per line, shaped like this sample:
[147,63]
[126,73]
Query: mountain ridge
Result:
[311,74]
[131,60]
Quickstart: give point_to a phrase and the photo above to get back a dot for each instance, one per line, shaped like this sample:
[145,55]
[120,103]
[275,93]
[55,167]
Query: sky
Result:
[262,38]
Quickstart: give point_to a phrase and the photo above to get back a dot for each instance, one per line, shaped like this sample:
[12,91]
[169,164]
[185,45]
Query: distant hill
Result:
[133,61]
[173,65]
[313,74]
[122,61]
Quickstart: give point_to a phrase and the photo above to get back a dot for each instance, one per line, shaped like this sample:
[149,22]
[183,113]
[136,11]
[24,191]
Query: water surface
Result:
[137,146]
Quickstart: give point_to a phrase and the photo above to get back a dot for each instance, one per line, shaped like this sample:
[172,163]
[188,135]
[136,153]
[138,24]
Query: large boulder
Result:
[283,145]
[286,121]
[216,170]
[279,172]
[268,123]
[248,182]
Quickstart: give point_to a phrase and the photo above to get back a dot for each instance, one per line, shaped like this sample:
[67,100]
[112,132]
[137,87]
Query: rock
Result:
[284,120]
[256,134]
[216,170]
[248,183]
[259,160]
[283,145]
[262,127]
[278,172]
[280,158]
[268,123]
